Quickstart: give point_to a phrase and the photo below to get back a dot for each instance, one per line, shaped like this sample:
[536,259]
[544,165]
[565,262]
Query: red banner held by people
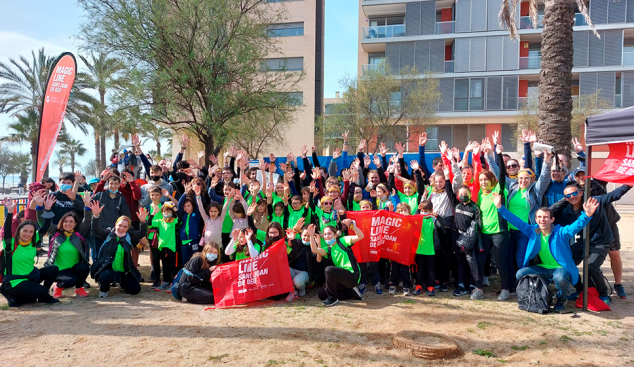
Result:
[249,280]
[60,83]
[619,166]
[388,235]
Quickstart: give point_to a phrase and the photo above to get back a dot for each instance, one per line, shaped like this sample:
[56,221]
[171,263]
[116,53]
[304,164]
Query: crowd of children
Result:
[482,212]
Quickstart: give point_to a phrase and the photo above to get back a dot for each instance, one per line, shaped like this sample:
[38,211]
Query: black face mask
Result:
[465,198]
[155,178]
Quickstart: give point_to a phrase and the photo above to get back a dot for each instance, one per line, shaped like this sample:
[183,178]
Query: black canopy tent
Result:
[606,128]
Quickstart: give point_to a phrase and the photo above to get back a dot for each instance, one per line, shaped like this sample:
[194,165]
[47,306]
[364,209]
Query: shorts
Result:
[616,245]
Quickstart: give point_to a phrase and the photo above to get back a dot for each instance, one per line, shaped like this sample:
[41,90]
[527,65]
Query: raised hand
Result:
[290,234]
[345,137]
[366,161]
[235,234]
[184,140]
[86,198]
[497,200]
[136,141]
[499,149]
[304,151]
[372,193]
[336,153]
[72,194]
[422,139]
[252,209]
[345,174]
[590,206]
[283,167]
[547,155]
[577,145]
[233,151]
[313,186]
[414,164]
[95,208]
[165,193]
[383,149]
[290,158]
[128,177]
[300,223]
[142,214]
[456,154]
[38,197]
[77,175]
[354,176]
[496,137]
[316,174]
[532,137]
[476,148]
[213,159]
[443,147]
[362,145]
[248,233]
[525,136]
[377,161]
[314,149]
[311,230]
[399,148]
[201,153]
[9,204]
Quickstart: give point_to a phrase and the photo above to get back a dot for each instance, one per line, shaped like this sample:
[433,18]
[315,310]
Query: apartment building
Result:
[484,76]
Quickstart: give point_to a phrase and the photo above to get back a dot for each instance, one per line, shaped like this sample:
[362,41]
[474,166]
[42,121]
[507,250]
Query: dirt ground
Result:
[152,329]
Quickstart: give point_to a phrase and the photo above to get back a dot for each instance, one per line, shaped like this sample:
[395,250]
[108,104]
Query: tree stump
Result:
[427,345]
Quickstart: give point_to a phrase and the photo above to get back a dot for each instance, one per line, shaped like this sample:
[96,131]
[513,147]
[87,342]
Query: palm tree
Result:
[61,161]
[156,133]
[73,148]
[104,74]
[25,86]
[25,130]
[555,77]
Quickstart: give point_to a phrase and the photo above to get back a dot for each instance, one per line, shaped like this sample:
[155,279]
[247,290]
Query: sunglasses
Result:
[572,194]
[558,170]
[198,184]
[512,166]
[327,203]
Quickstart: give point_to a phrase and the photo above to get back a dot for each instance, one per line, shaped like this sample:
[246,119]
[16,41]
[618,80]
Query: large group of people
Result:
[484,212]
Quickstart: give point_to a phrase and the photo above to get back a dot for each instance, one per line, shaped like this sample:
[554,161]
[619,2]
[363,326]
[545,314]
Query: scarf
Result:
[24,243]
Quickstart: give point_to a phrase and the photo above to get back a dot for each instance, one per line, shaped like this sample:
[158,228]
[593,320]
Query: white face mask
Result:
[211,257]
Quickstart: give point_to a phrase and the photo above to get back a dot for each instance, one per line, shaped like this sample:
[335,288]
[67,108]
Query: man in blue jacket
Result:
[549,248]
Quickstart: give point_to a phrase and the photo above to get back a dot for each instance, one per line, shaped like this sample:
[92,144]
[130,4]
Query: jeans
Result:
[370,270]
[499,243]
[559,276]
[188,250]
[73,277]
[300,279]
[463,273]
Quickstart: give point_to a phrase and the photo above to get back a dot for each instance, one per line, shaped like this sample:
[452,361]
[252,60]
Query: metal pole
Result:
[586,231]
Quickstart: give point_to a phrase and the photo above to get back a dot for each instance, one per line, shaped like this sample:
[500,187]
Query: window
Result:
[295,98]
[469,94]
[286,30]
[436,134]
[289,64]
[508,138]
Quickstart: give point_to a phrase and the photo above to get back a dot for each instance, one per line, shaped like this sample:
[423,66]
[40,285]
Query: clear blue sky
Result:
[28,25]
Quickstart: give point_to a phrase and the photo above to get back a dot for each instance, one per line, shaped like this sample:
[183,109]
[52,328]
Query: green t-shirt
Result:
[242,255]
[545,256]
[117,264]
[520,206]
[426,241]
[342,258]
[412,201]
[326,219]
[67,255]
[294,215]
[167,233]
[250,199]
[158,214]
[278,218]
[227,224]
[355,206]
[23,261]
[276,199]
[490,216]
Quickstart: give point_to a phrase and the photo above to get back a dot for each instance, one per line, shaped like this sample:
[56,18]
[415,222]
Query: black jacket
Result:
[600,231]
[201,277]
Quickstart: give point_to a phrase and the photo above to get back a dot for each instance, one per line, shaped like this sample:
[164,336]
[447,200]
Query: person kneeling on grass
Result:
[114,261]
[548,247]
[195,283]
[342,279]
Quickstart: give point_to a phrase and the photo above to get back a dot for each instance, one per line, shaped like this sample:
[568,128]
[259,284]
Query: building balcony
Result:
[525,22]
[628,58]
[530,62]
[445,27]
[448,66]
[384,31]
[370,67]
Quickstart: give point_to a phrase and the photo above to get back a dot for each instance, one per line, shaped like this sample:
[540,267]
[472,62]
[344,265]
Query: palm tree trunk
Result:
[116,139]
[104,160]
[555,101]
[98,151]
[158,150]
[72,162]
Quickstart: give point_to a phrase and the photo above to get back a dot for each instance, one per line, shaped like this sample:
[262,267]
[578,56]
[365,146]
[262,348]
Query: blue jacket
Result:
[558,242]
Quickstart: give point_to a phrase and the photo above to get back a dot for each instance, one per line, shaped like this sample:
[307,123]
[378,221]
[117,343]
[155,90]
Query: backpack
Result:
[533,294]
[175,289]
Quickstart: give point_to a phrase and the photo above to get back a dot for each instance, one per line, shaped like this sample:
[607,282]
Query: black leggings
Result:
[425,270]
[445,259]
[128,282]
[73,277]
[338,280]
[400,271]
[226,239]
[464,275]
[498,243]
[198,295]
[166,257]
[32,291]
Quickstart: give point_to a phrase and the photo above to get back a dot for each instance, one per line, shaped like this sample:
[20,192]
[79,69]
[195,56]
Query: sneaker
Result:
[358,293]
[152,278]
[605,299]
[392,290]
[504,295]
[620,292]
[477,294]
[86,285]
[57,291]
[290,297]
[431,291]
[183,299]
[378,288]
[103,294]
[330,302]
[513,292]
[460,291]
[444,287]
[573,296]
[301,292]
[156,284]
[418,290]
[49,299]
[560,306]
[361,288]
[163,287]
[471,288]
[406,292]
[485,282]
[80,292]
